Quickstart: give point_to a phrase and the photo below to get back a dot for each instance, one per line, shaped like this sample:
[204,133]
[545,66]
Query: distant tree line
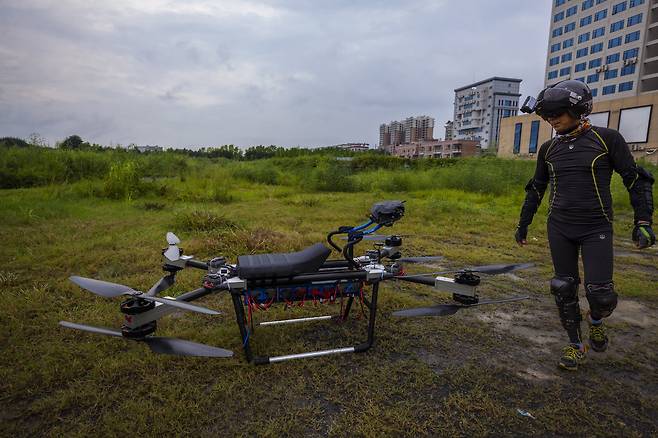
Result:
[230,152]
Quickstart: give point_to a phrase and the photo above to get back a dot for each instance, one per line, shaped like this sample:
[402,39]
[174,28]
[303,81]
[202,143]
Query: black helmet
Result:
[570,96]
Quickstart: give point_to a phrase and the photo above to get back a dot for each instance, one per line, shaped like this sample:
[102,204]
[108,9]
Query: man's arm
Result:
[535,190]
[638,182]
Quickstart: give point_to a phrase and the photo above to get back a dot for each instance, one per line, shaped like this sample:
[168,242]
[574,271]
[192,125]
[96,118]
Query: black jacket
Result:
[580,171]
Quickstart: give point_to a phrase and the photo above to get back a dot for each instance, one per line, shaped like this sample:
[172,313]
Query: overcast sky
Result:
[299,72]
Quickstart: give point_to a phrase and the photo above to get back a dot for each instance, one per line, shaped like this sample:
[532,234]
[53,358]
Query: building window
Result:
[534,137]
[598,32]
[565,71]
[615,42]
[628,70]
[559,2]
[583,38]
[596,48]
[572,11]
[609,89]
[555,47]
[594,91]
[632,37]
[587,4]
[557,17]
[593,78]
[598,2]
[570,27]
[634,3]
[517,137]
[595,63]
[552,74]
[601,15]
[554,61]
[557,32]
[619,7]
[568,43]
[631,53]
[634,124]
[635,19]
[580,67]
[585,21]
[566,57]
[617,25]
[611,59]
[626,86]
[581,52]
[611,74]
[581,80]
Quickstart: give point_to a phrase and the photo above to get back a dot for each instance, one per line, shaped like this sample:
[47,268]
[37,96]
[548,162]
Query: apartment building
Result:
[409,130]
[479,108]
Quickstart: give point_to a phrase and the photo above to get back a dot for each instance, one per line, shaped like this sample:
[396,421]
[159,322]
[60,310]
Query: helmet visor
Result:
[555,102]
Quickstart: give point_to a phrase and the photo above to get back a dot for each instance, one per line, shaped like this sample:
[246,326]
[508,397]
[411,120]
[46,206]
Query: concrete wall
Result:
[647,151]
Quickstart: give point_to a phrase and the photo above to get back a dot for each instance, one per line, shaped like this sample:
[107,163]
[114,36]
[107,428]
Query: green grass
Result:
[440,377]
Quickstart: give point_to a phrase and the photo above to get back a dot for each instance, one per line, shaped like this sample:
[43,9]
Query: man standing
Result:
[578,162]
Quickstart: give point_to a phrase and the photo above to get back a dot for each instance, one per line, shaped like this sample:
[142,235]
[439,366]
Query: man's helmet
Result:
[570,96]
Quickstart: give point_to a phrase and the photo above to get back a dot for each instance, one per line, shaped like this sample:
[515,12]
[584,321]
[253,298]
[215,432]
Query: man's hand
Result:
[521,235]
[643,235]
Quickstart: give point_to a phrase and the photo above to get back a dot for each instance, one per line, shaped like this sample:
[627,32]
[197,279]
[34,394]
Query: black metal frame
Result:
[245,335]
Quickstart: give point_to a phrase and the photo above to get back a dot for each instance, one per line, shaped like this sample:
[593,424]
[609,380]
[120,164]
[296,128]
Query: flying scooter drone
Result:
[258,281]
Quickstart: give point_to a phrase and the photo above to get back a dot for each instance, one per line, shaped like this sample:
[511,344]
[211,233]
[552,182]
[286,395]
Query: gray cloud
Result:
[281,72]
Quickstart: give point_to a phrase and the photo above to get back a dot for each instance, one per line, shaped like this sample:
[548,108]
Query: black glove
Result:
[643,236]
[521,233]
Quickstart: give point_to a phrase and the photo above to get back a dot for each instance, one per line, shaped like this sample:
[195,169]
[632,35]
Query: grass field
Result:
[460,375]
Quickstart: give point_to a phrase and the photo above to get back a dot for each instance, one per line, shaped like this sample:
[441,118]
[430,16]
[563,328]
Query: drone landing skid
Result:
[237,297]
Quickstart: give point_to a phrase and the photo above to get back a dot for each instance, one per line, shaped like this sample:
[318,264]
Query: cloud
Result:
[296,72]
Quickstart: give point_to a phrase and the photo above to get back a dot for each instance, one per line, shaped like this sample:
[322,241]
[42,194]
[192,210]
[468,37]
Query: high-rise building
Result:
[450,130]
[609,44]
[479,107]
[409,130]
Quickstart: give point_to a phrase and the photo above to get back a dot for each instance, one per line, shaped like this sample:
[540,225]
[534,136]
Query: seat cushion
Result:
[283,264]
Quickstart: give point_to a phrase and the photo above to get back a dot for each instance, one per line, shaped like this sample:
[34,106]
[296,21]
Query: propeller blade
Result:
[172,253]
[102,288]
[419,259]
[91,329]
[375,237]
[180,304]
[164,283]
[451,309]
[172,239]
[184,348]
[500,269]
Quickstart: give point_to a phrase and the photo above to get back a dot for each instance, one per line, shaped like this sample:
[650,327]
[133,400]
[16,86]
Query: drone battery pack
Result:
[322,292]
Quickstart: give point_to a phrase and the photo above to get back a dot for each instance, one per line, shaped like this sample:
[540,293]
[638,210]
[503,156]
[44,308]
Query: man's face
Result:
[562,123]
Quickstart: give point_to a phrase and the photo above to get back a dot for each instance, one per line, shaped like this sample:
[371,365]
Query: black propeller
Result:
[419,259]
[450,309]
[485,269]
[110,290]
[158,344]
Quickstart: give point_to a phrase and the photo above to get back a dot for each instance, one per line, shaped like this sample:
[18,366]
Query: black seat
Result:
[283,264]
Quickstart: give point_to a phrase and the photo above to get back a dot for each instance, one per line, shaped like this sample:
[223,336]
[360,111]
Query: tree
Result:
[72,142]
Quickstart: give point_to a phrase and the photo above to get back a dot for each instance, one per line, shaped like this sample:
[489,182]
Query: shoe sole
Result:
[598,349]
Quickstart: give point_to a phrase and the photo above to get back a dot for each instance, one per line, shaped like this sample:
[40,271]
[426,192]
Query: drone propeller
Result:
[450,309]
[173,252]
[158,344]
[419,259]
[110,290]
[498,269]
[485,269]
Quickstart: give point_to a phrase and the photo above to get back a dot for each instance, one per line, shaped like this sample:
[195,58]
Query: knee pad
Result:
[602,299]
[565,290]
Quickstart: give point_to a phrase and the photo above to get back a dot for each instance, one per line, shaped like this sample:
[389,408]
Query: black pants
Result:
[594,241]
